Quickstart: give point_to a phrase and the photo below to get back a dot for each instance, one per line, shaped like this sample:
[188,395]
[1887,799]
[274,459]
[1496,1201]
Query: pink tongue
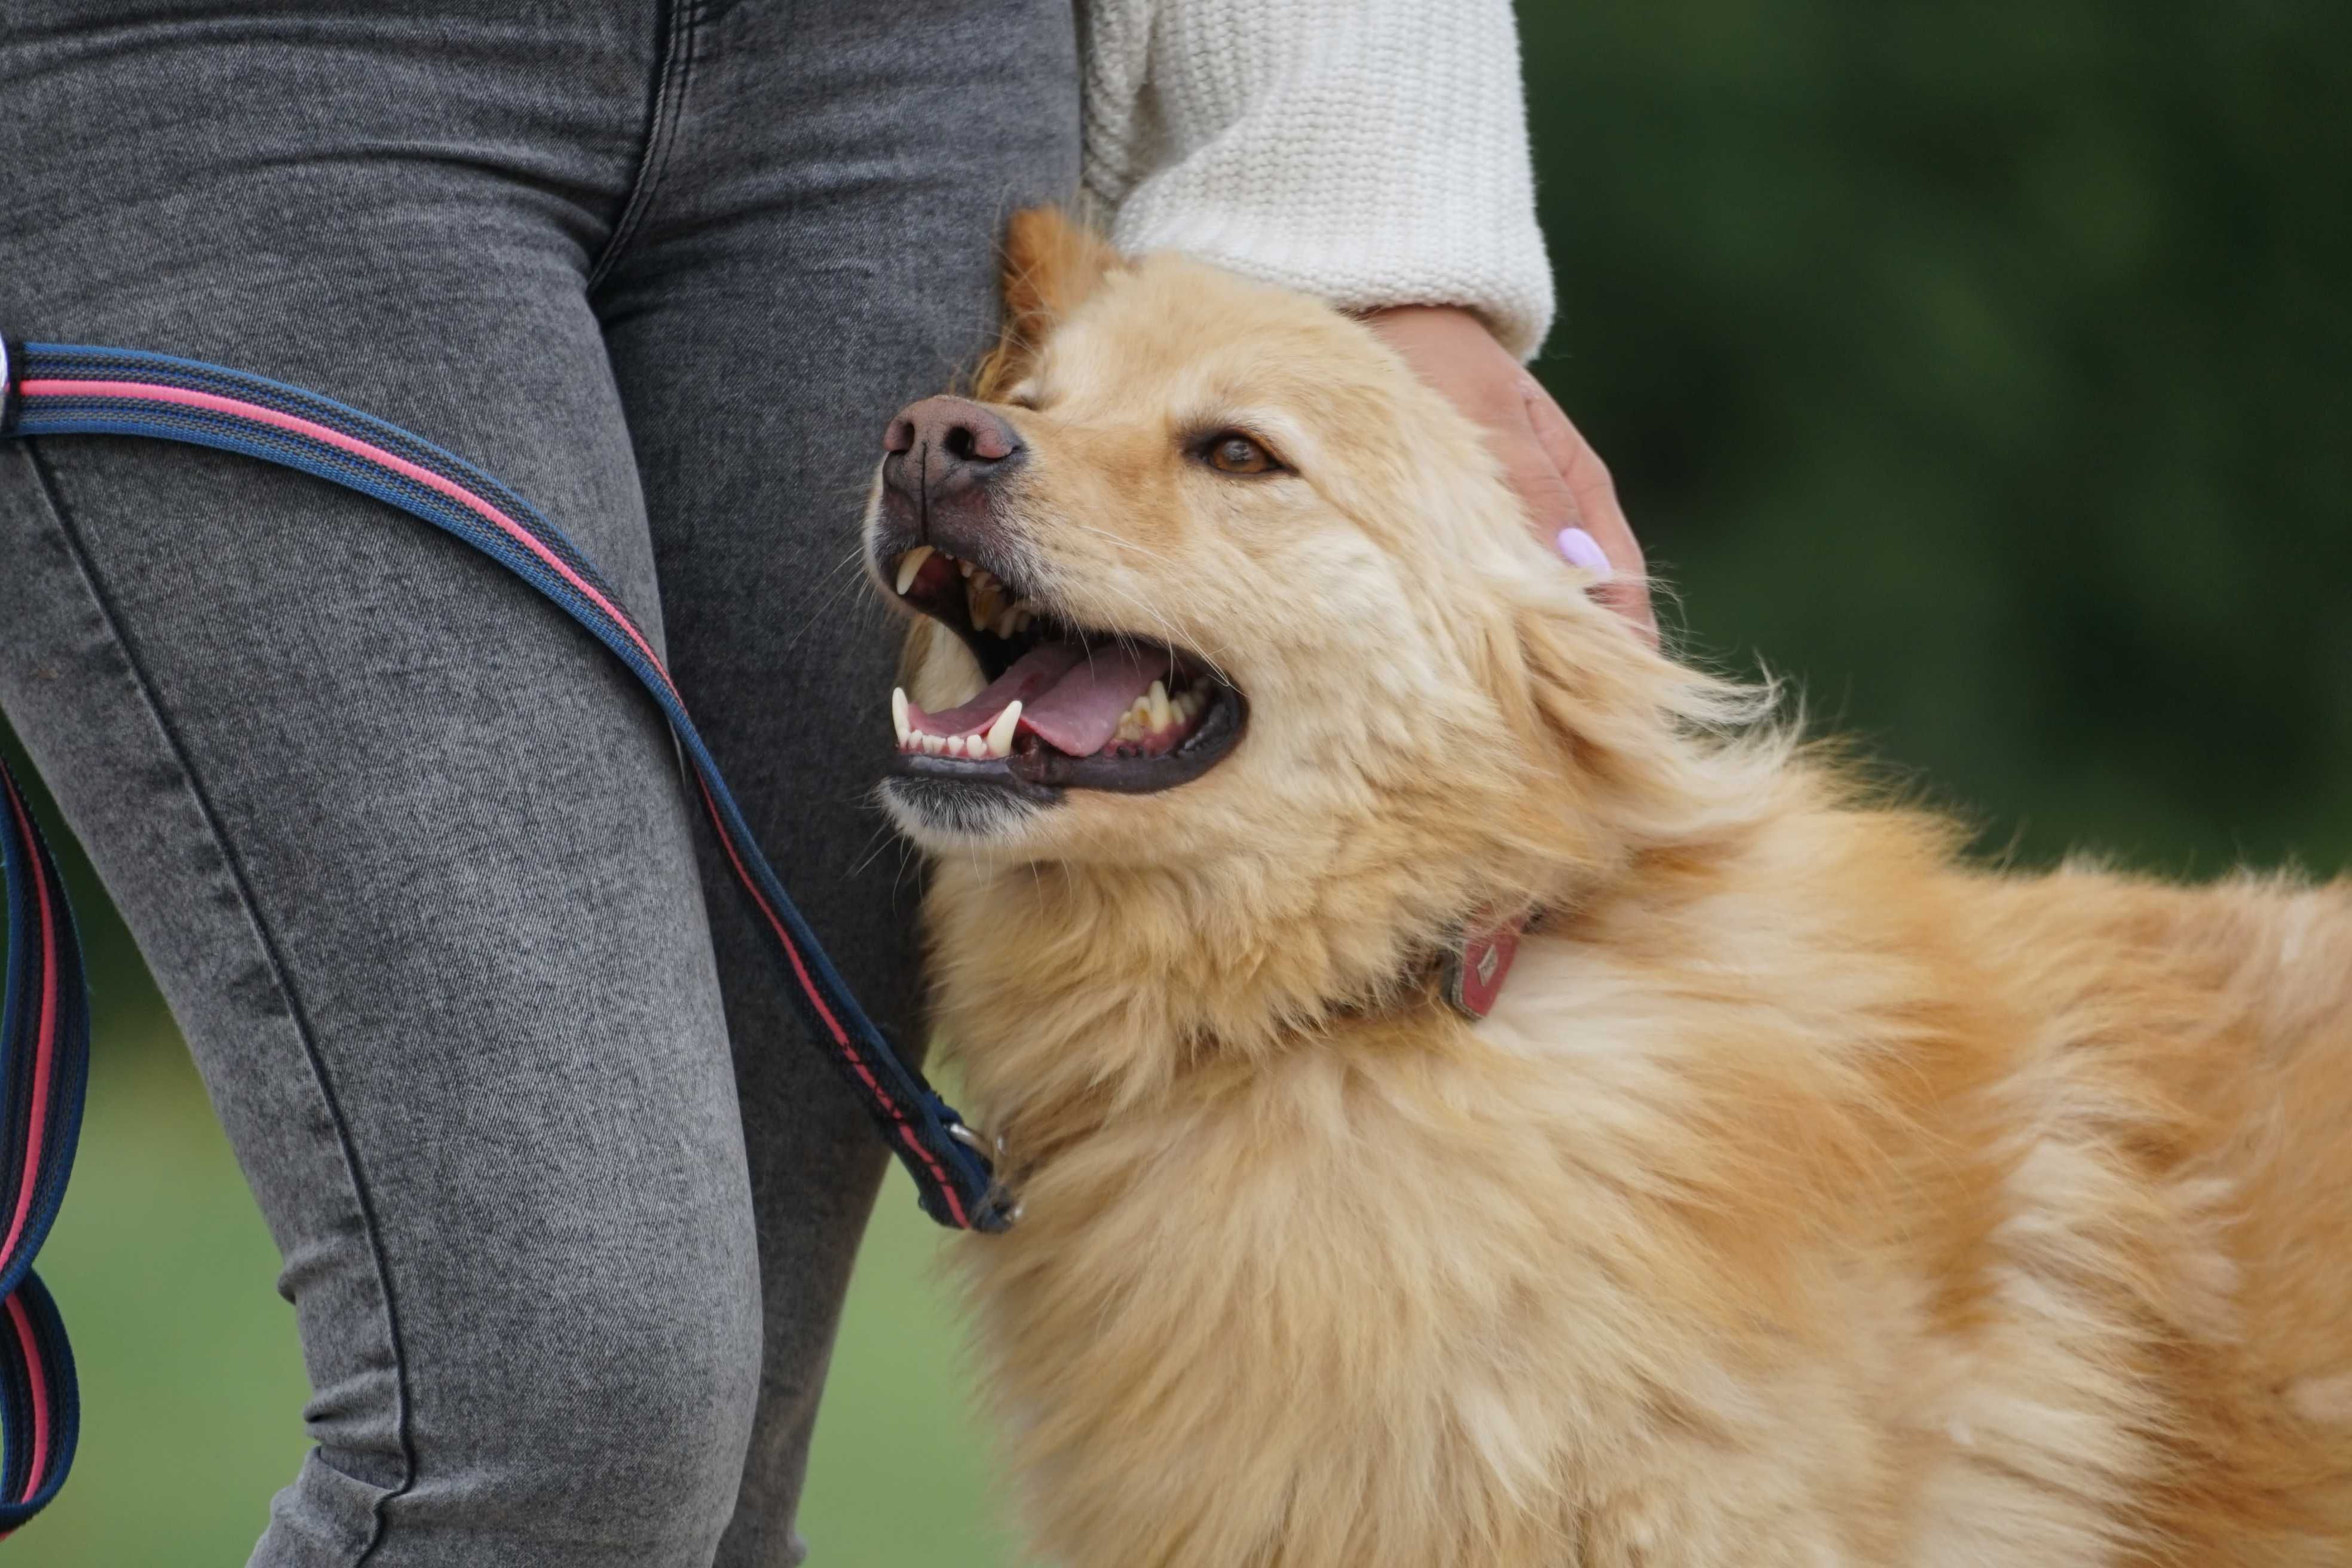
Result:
[1071,698]
[1080,712]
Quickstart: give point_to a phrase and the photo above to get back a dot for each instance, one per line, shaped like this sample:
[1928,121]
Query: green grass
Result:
[192,1385]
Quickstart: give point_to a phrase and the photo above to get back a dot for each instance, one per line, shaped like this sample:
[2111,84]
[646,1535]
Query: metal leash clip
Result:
[993,1150]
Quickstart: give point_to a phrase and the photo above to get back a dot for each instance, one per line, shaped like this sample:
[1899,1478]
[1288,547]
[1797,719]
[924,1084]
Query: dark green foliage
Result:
[1987,368]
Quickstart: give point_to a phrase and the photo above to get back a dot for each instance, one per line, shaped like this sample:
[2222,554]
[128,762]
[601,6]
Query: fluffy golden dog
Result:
[1810,1195]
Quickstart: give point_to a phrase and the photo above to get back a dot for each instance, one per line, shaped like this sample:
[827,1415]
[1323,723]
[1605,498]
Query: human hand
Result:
[1560,479]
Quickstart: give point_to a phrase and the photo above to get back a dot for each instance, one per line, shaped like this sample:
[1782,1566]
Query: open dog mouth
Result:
[1065,707]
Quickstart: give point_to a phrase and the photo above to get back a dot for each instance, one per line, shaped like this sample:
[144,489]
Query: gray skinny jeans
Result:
[409,854]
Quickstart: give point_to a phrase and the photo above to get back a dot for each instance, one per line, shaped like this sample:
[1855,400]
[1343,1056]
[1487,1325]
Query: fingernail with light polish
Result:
[1581,549]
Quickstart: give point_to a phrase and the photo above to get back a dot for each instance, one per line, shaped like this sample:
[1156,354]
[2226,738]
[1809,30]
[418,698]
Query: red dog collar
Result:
[1473,969]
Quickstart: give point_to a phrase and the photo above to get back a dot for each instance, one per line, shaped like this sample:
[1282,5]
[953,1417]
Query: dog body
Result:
[1808,1198]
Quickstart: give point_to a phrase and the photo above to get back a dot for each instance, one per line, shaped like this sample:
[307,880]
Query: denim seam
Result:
[661,132]
[279,977]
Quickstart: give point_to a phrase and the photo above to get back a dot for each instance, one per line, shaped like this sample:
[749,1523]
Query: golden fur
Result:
[1811,1196]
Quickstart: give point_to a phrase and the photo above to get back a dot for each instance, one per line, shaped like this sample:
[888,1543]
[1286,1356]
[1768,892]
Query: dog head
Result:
[1206,579]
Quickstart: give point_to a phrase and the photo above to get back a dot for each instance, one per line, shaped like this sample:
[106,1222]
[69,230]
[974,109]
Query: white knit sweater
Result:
[1370,151]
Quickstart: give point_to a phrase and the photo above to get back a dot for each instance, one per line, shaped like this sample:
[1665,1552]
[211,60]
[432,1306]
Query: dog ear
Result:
[1661,751]
[1052,263]
[1559,682]
[1629,731]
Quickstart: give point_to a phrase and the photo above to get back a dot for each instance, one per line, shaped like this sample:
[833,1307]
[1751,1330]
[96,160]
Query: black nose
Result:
[944,447]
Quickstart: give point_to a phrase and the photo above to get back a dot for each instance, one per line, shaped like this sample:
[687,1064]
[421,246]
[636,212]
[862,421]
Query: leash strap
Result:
[58,390]
[44,1065]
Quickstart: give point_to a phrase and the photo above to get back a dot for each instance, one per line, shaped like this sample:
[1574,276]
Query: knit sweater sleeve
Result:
[1370,152]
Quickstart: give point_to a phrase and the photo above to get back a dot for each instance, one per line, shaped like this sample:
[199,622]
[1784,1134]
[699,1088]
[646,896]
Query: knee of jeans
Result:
[639,1389]
[616,1409]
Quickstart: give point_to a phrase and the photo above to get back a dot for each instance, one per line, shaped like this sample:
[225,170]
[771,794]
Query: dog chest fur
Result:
[1768,1219]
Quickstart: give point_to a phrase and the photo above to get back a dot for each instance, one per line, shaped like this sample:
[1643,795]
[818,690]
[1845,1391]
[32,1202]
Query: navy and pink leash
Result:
[43,1064]
[48,389]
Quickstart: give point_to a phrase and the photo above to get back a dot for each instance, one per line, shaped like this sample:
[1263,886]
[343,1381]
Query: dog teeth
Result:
[996,742]
[1136,723]
[1000,734]
[1155,711]
[991,604]
[911,563]
[983,599]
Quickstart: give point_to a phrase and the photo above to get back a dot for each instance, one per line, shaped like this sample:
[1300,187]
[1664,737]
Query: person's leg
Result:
[408,852]
[820,250]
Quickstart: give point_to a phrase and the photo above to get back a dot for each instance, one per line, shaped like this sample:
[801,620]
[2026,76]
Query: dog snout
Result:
[943,446]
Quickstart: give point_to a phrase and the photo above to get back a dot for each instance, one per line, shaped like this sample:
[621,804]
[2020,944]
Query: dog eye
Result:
[1231,452]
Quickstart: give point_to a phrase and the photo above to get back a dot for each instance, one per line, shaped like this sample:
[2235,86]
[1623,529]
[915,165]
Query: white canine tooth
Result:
[1000,734]
[911,563]
[899,712]
[1160,716]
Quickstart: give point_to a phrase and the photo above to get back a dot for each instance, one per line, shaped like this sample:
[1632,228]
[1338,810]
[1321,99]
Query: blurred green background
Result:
[1985,369]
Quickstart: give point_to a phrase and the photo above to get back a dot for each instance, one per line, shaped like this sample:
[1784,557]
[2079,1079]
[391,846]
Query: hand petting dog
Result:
[1559,477]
